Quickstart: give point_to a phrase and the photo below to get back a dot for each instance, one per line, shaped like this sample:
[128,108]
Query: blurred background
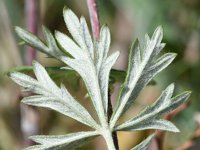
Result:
[127,20]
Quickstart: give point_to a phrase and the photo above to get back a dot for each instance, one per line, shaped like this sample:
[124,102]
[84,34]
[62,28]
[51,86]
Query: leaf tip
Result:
[171,86]
[24,101]
[160,29]
[188,93]
[66,10]
[34,63]
[17,28]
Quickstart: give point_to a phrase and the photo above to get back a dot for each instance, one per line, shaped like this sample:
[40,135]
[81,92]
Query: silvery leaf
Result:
[73,24]
[69,45]
[104,77]
[57,142]
[50,48]
[30,39]
[102,47]
[91,61]
[147,119]
[142,68]
[148,124]
[51,96]
[86,37]
[91,81]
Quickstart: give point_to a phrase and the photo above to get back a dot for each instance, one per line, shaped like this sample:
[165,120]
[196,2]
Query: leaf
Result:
[176,102]
[57,142]
[30,39]
[162,102]
[104,77]
[142,68]
[103,46]
[76,30]
[86,37]
[148,118]
[90,78]
[29,83]
[50,48]
[144,145]
[68,45]
[73,25]
[51,96]
[105,39]
[145,125]
[93,60]
[44,79]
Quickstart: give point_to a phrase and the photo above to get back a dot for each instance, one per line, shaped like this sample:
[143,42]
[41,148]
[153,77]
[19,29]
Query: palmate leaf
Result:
[51,96]
[143,66]
[91,61]
[60,142]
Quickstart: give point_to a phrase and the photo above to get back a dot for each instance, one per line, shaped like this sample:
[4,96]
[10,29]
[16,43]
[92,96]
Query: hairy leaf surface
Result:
[142,68]
[57,142]
[89,58]
[50,48]
[148,118]
[51,96]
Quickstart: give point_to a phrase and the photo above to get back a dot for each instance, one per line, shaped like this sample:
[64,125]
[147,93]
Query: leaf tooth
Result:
[165,98]
[27,82]
[162,102]
[86,37]
[31,39]
[105,39]
[158,35]
[73,25]
[148,124]
[69,45]
[176,101]
[135,60]
[53,49]
[43,77]
[162,62]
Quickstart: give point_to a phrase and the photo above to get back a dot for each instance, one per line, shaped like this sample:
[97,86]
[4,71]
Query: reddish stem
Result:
[29,116]
[32,17]
[94,18]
